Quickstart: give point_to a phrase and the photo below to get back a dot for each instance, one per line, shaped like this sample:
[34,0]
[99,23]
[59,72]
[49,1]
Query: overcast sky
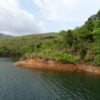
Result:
[19,17]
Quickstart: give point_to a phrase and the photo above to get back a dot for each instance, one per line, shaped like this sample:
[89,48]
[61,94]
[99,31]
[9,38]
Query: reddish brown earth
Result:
[56,66]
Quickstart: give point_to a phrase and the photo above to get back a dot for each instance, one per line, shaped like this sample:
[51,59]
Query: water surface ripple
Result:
[18,83]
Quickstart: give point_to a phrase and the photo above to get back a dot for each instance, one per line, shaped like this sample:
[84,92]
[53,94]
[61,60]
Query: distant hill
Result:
[4,36]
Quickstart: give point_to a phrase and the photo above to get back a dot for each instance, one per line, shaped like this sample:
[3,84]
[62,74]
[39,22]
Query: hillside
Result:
[73,46]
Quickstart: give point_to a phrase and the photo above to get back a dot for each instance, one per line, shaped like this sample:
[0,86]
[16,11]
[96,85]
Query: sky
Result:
[20,17]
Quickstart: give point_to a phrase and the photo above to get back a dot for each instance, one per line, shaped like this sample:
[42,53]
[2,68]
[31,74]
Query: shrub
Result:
[97,60]
[59,56]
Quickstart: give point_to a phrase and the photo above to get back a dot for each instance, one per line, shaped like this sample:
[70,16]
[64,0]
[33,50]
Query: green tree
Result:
[83,51]
[69,38]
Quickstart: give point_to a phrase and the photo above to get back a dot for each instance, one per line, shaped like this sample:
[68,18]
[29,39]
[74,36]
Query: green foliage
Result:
[69,38]
[96,44]
[58,55]
[97,60]
[82,52]
[97,23]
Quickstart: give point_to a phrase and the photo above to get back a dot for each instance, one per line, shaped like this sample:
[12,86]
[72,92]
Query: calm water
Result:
[24,84]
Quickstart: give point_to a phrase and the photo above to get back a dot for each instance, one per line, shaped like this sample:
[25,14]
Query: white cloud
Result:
[68,10]
[16,21]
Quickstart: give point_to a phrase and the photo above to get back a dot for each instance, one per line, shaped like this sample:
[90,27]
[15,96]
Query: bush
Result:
[59,56]
[97,60]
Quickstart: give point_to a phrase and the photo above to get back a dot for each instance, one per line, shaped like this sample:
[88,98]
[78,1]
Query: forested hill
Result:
[73,46]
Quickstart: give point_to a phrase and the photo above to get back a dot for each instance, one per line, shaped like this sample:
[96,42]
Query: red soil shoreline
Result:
[56,66]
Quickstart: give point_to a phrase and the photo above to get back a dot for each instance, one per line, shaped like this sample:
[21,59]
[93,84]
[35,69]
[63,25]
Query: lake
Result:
[17,83]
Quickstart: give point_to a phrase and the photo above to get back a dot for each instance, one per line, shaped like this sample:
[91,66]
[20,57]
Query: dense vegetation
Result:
[79,45]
